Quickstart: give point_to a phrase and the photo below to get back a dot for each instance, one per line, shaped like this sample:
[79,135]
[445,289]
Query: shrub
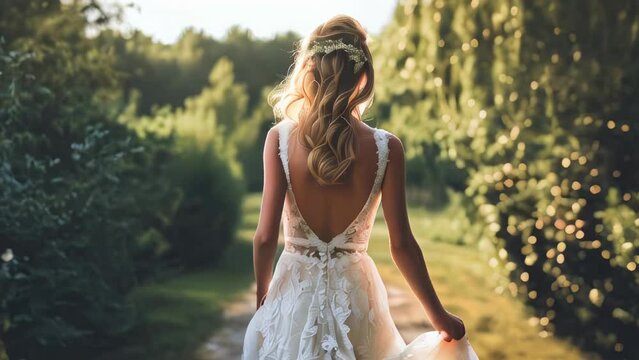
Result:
[76,188]
[202,170]
[71,206]
[536,101]
[208,211]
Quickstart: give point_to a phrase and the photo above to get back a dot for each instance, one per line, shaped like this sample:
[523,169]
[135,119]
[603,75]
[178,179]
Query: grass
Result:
[181,313]
[497,324]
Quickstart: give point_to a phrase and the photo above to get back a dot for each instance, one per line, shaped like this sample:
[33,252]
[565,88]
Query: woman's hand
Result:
[260,301]
[451,326]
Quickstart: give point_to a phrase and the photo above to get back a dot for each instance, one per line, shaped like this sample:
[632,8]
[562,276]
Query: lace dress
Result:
[326,299]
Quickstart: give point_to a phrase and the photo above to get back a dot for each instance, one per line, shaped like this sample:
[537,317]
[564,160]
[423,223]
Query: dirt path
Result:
[226,343]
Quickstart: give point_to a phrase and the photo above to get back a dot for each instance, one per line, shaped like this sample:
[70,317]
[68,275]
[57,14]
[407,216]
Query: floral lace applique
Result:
[315,281]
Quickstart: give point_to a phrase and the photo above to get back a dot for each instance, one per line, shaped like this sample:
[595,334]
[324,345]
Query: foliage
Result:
[249,137]
[235,95]
[91,207]
[179,313]
[159,77]
[76,190]
[535,100]
[209,210]
[402,107]
[204,170]
[167,74]
[497,324]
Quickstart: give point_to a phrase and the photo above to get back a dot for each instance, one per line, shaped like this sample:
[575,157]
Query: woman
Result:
[327,172]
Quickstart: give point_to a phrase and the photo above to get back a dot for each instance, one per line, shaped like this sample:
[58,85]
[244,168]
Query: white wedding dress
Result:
[326,300]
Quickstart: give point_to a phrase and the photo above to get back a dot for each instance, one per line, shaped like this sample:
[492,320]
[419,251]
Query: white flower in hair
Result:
[330,45]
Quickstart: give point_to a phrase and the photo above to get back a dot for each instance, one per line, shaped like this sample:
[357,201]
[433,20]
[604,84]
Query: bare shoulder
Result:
[277,126]
[272,140]
[274,130]
[273,133]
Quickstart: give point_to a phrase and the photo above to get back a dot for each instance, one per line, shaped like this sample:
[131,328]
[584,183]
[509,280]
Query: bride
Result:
[327,172]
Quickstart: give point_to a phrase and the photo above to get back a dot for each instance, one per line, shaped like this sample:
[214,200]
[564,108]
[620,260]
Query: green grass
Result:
[180,313]
[497,324]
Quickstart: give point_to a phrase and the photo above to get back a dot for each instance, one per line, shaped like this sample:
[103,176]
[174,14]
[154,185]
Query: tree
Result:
[204,168]
[167,74]
[534,100]
[77,190]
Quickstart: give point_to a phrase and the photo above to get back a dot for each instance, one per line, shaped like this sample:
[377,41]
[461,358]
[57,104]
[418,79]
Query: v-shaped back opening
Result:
[284,137]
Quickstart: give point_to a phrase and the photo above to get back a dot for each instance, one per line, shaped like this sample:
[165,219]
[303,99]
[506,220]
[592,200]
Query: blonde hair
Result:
[324,114]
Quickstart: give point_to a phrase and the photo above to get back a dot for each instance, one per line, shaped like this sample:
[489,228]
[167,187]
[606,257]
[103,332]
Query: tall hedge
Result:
[536,101]
[76,189]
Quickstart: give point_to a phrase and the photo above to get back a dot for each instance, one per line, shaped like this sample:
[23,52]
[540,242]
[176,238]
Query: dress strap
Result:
[284,131]
[381,139]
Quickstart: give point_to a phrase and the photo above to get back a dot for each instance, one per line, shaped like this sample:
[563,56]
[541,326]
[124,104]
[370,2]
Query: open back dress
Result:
[326,299]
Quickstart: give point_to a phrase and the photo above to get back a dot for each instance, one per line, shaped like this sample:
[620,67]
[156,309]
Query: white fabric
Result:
[326,299]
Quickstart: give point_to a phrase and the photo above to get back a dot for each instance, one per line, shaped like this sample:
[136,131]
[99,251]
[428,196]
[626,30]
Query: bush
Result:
[249,139]
[208,211]
[203,170]
[90,206]
[536,101]
[72,204]
[77,190]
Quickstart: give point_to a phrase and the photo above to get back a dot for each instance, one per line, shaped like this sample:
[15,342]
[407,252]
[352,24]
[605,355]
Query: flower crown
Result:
[329,45]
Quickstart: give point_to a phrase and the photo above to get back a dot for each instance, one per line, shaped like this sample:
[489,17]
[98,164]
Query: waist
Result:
[321,251]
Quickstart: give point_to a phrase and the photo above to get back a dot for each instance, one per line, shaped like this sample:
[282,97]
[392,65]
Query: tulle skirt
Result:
[335,308]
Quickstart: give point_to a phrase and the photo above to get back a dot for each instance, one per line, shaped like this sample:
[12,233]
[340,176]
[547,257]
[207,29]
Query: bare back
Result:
[326,298]
[329,210]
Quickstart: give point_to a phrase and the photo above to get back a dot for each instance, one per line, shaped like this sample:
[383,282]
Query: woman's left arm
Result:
[268,226]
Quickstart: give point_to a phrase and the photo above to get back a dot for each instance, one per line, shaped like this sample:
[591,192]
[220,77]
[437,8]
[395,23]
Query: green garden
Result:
[131,175]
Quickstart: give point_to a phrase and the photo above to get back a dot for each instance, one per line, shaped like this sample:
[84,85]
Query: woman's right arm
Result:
[268,225]
[405,250]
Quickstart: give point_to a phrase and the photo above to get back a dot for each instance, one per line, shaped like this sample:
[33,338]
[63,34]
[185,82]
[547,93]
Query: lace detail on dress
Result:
[316,252]
[284,131]
[326,299]
[356,232]
[325,275]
